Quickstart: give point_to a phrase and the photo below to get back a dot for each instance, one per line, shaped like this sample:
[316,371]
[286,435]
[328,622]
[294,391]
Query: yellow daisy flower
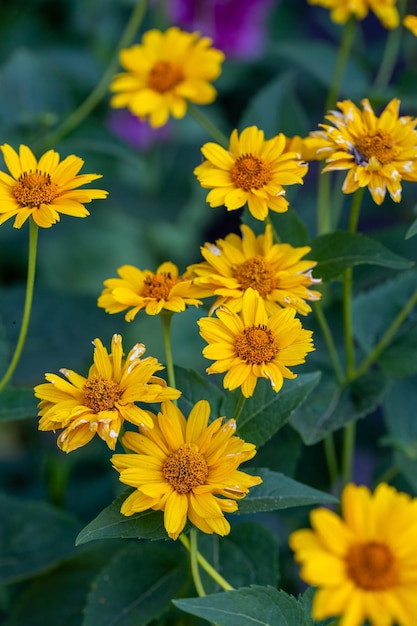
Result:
[102,401]
[378,152]
[365,563]
[342,10]
[252,171]
[164,72]
[182,467]
[152,291]
[410,22]
[275,271]
[250,345]
[43,189]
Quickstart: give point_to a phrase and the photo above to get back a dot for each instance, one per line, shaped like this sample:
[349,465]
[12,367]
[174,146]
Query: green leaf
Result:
[412,230]
[194,388]
[264,606]
[335,252]
[399,359]
[111,524]
[400,416]
[34,537]
[137,586]
[266,411]
[17,403]
[279,492]
[333,406]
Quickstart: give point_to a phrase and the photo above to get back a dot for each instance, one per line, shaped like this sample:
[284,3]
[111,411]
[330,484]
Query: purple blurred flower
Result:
[237,27]
[133,131]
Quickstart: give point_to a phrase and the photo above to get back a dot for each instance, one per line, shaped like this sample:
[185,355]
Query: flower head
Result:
[250,345]
[43,189]
[378,152]
[100,402]
[364,564]
[152,291]
[342,10]
[275,271]
[164,72]
[410,22]
[182,467]
[252,171]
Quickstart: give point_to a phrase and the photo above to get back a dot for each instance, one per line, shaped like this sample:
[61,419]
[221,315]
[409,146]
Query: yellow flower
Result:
[252,171]
[152,291]
[43,189]
[410,22]
[275,271]
[251,345]
[365,563]
[378,152]
[182,466]
[164,72]
[101,402]
[342,10]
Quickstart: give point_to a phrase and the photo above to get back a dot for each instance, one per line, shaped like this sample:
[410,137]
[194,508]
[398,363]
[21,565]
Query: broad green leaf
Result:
[412,230]
[399,410]
[287,226]
[263,606]
[34,537]
[279,492]
[17,403]
[111,524]
[333,406]
[266,411]
[194,388]
[137,586]
[335,252]
[400,358]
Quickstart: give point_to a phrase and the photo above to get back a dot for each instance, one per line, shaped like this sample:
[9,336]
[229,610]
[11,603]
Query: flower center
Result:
[372,566]
[100,394]
[34,188]
[158,286]
[255,273]
[375,143]
[185,469]
[164,76]
[250,172]
[256,345]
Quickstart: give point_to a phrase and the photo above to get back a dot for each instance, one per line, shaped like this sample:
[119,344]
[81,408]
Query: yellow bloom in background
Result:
[164,72]
[43,189]
[152,291]
[252,171]
[181,467]
[275,271]
[378,152]
[102,401]
[342,10]
[410,22]
[250,345]
[365,562]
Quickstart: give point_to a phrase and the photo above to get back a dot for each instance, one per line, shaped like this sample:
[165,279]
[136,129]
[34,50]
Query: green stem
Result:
[355,210]
[331,458]
[214,574]
[348,451]
[387,336]
[239,407]
[194,563]
[389,58]
[30,282]
[324,215]
[166,318]
[328,338]
[80,113]
[342,58]
[208,125]
[276,237]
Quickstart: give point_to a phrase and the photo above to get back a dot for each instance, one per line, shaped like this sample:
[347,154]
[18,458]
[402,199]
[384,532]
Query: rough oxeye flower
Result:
[182,467]
[410,22]
[250,345]
[43,189]
[378,152]
[342,10]
[99,403]
[164,72]
[363,563]
[275,271]
[152,291]
[252,171]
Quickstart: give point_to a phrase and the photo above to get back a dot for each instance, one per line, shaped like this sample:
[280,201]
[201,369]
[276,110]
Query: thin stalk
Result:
[348,451]
[194,563]
[79,114]
[208,125]
[328,338]
[324,216]
[331,458]
[214,574]
[239,407]
[166,318]
[387,336]
[342,58]
[30,282]
[275,235]
[390,55]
